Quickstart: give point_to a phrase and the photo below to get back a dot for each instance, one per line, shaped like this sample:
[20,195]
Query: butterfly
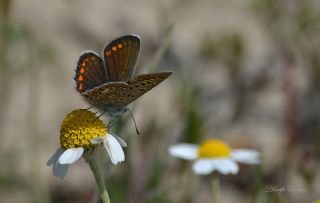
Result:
[107,82]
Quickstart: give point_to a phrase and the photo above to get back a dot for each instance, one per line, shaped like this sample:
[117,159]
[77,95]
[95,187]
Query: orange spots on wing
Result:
[80,87]
[108,53]
[80,78]
[82,70]
[83,64]
[93,58]
[114,48]
[120,46]
[86,59]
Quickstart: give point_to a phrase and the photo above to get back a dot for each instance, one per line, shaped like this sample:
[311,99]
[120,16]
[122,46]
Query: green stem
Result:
[215,188]
[99,179]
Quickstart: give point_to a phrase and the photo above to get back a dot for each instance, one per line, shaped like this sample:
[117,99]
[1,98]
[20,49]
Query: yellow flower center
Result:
[214,148]
[79,127]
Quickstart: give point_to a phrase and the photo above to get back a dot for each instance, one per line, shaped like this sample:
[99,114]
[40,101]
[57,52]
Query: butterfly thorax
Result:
[108,97]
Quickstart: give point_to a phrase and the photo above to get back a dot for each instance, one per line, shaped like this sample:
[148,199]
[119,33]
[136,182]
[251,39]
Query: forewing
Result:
[109,96]
[90,71]
[120,57]
[141,84]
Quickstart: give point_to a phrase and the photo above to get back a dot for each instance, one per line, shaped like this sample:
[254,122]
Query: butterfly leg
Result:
[101,114]
[111,123]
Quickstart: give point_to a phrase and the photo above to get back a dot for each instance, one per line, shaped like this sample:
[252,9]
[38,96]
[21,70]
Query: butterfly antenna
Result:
[89,108]
[135,124]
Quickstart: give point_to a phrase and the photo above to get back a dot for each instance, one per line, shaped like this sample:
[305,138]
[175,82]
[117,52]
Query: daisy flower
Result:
[81,132]
[214,155]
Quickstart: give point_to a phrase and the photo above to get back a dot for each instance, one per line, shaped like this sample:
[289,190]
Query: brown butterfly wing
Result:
[120,57]
[109,97]
[141,84]
[90,72]
[112,97]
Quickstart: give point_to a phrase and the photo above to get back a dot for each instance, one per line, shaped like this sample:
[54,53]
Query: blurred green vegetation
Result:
[18,51]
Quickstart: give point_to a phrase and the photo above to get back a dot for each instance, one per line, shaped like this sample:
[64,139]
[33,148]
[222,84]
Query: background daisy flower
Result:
[81,132]
[214,155]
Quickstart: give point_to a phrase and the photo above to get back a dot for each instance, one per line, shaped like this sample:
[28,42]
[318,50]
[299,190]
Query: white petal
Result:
[203,166]
[184,151]
[246,156]
[225,166]
[60,170]
[71,155]
[55,157]
[97,140]
[121,141]
[114,149]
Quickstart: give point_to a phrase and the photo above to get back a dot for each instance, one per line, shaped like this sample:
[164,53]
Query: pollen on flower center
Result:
[79,127]
[214,148]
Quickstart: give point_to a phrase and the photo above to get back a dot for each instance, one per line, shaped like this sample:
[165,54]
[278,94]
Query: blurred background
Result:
[246,72]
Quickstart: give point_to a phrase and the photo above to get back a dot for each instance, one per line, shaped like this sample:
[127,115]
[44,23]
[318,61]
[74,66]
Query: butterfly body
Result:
[108,83]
